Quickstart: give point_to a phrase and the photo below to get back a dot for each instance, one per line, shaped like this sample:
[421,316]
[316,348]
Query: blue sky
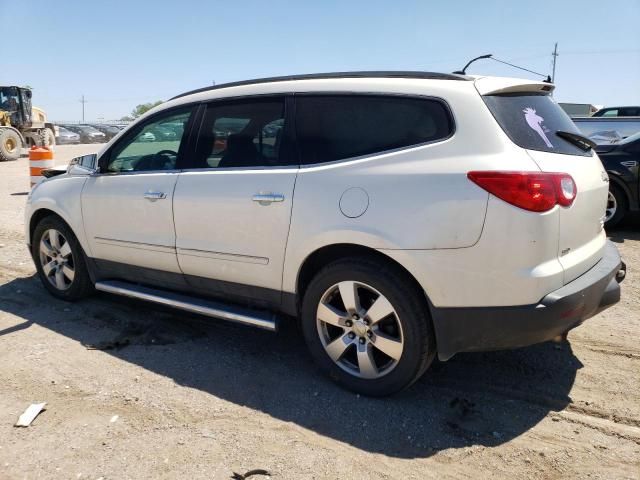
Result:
[122,53]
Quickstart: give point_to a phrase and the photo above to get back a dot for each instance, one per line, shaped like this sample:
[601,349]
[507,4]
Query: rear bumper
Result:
[495,328]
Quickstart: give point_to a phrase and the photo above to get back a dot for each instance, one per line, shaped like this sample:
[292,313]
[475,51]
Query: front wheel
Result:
[60,260]
[367,326]
[10,144]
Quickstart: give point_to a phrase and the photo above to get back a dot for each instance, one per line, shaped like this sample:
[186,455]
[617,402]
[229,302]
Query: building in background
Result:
[579,109]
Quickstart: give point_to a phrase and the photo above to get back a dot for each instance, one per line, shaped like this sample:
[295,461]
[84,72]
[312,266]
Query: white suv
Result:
[397,215]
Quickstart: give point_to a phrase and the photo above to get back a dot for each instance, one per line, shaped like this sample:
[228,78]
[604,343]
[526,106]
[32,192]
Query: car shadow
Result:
[473,399]
[629,229]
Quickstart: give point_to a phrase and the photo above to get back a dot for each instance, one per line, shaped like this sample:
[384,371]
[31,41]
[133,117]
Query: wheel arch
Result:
[6,127]
[61,196]
[324,255]
[38,216]
[18,132]
[632,201]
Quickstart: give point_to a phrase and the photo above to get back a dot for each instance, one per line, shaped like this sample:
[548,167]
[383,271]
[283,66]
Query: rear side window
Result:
[337,127]
[532,120]
[243,133]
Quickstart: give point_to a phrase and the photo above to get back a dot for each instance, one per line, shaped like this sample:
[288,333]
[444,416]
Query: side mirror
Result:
[84,165]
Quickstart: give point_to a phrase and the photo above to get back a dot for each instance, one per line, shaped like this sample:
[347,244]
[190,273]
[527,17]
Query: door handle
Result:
[153,196]
[267,198]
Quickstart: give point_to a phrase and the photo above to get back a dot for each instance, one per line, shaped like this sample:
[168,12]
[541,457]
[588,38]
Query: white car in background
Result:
[147,137]
[396,215]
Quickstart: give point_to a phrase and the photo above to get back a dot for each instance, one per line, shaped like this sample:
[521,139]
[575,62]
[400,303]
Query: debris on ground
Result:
[250,473]
[30,414]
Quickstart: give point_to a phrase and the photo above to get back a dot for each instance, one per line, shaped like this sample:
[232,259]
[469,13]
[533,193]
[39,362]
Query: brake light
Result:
[533,191]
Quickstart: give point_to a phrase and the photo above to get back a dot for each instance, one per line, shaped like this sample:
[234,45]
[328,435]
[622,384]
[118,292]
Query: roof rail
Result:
[322,76]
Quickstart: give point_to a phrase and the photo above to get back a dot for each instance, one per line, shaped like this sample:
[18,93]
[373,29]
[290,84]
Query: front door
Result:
[127,208]
[232,208]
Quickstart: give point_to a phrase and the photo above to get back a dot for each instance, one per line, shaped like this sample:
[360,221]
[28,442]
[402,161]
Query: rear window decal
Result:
[535,122]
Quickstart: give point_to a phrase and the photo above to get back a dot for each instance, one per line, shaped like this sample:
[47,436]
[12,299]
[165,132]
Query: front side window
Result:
[337,127]
[243,133]
[154,146]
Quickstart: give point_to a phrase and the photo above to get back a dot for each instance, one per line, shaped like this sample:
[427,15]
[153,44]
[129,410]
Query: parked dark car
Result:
[87,133]
[607,129]
[110,131]
[622,161]
[618,112]
[67,137]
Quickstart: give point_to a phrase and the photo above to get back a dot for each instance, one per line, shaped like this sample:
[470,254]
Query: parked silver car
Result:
[67,137]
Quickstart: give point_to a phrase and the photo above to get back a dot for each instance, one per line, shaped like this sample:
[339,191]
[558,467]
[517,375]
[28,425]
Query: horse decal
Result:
[535,122]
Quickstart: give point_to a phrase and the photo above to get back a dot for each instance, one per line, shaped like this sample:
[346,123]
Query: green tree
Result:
[142,108]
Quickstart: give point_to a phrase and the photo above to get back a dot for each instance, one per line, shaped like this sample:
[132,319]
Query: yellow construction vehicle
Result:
[21,125]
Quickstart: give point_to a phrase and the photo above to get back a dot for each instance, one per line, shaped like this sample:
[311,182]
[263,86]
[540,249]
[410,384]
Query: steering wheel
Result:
[167,152]
[165,159]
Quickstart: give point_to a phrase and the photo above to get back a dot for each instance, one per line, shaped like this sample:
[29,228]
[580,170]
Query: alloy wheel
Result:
[612,207]
[359,329]
[56,259]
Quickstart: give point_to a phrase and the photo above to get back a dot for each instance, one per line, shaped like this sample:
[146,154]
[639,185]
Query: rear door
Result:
[232,204]
[532,119]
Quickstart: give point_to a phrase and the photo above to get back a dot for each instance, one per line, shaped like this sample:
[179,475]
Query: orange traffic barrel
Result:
[40,158]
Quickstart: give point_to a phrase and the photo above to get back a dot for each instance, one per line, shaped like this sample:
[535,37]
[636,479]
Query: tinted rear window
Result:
[532,120]
[337,127]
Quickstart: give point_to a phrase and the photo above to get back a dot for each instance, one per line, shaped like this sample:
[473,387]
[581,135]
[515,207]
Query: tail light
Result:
[533,191]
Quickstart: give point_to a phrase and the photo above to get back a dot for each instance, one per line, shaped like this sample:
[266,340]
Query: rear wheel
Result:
[617,207]
[48,138]
[367,326]
[10,144]
[60,260]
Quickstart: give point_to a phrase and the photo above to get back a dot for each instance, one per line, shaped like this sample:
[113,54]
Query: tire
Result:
[48,138]
[405,332]
[10,145]
[65,256]
[617,206]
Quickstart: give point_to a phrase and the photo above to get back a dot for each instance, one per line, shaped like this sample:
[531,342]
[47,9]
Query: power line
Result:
[601,52]
[516,66]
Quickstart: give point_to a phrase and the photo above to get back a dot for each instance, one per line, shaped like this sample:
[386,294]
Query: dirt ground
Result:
[188,397]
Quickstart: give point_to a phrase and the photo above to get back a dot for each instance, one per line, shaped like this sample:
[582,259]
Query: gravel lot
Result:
[192,398]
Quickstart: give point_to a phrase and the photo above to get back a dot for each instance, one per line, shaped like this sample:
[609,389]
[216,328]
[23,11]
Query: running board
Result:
[201,306]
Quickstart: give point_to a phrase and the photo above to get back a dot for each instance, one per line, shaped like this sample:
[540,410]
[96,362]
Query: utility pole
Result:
[555,56]
[83,101]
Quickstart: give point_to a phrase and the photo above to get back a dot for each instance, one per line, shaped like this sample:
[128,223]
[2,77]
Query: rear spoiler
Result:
[504,85]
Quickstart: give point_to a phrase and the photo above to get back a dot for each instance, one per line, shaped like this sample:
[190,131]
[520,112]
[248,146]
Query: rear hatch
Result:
[534,121]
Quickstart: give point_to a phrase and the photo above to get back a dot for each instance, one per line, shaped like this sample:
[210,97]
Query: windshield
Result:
[531,121]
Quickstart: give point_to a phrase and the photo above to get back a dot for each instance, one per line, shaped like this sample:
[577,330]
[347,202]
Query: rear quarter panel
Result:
[418,198]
